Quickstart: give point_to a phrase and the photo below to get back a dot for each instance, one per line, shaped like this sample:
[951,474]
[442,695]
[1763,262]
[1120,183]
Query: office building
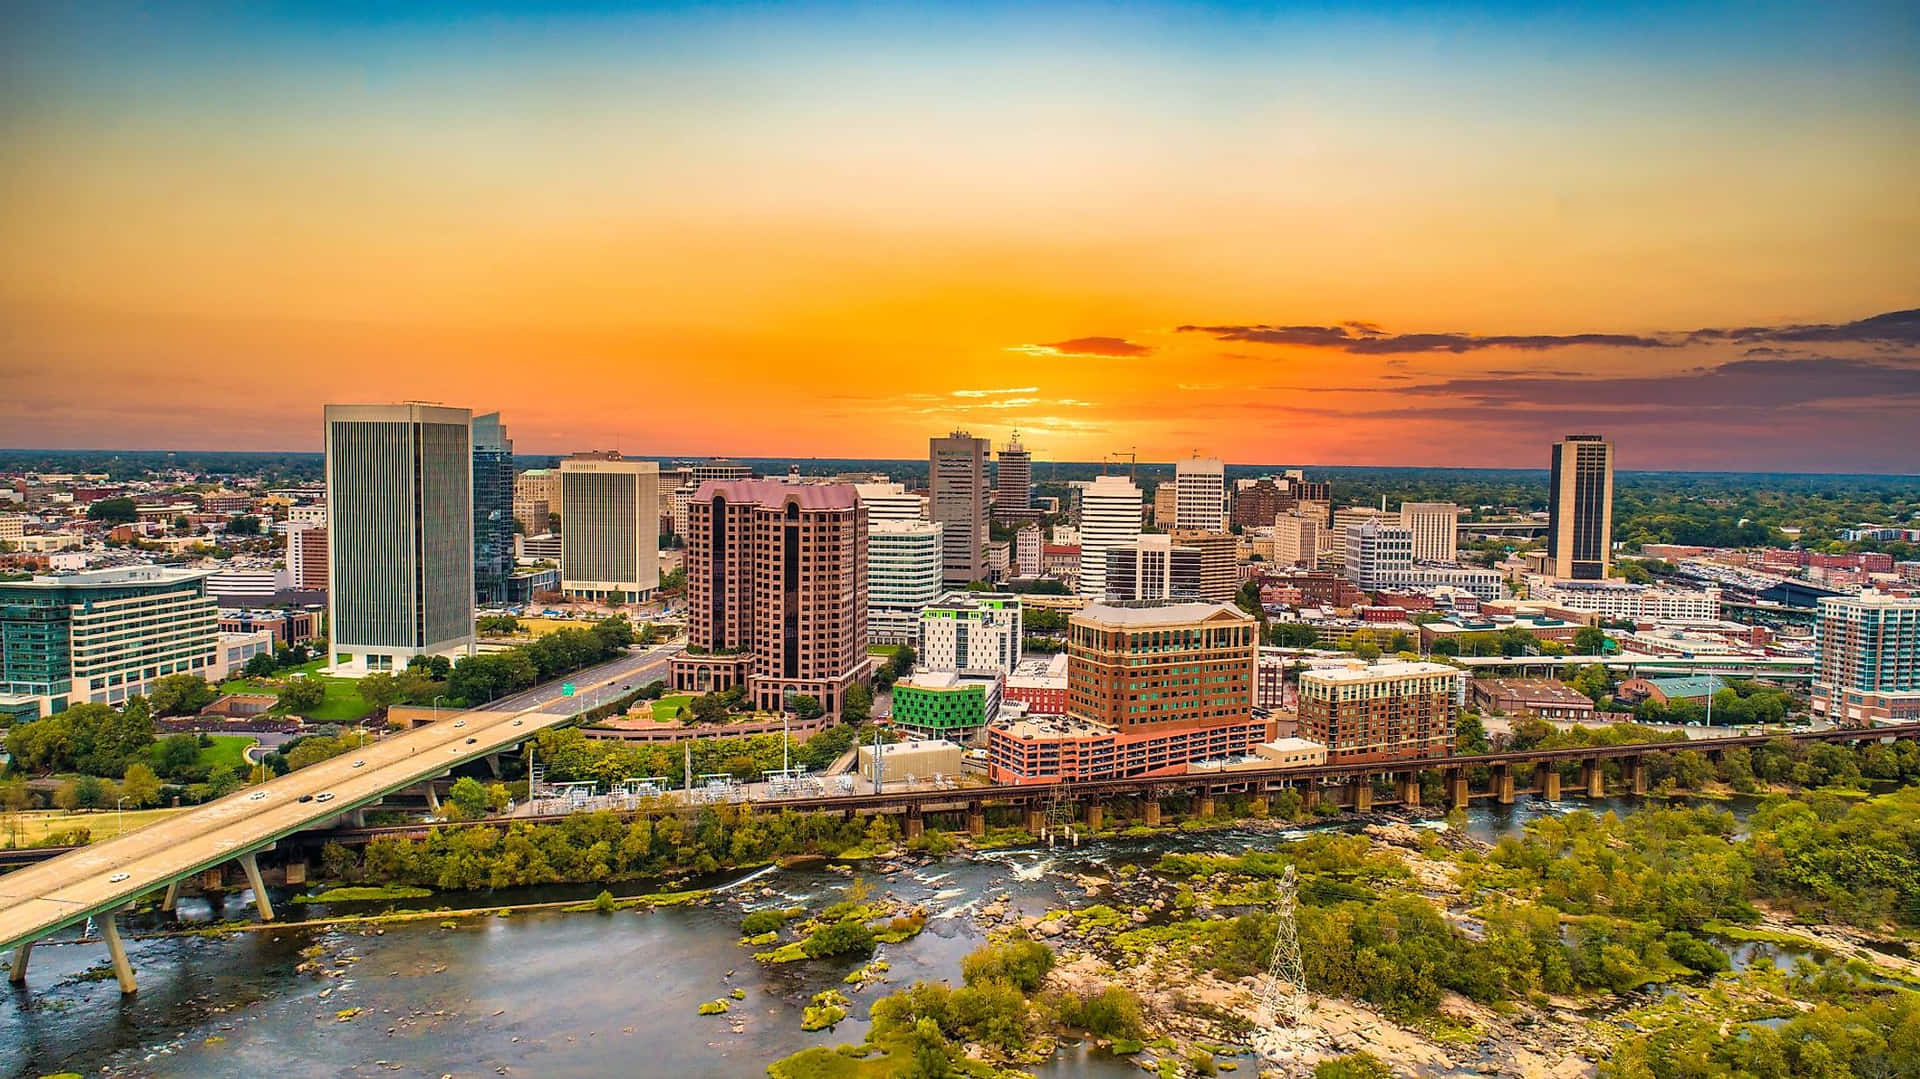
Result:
[1219,554]
[1374,549]
[1109,519]
[776,592]
[1201,505]
[1435,527]
[400,533]
[718,470]
[1299,540]
[1013,484]
[890,502]
[1621,600]
[13,528]
[536,498]
[1029,547]
[971,631]
[1866,659]
[1150,691]
[1152,568]
[233,585]
[1336,548]
[493,493]
[1580,508]
[957,483]
[905,570]
[1166,505]
[101,636]
[955,705]
[1257,502]
[1383,712]
[610,539]
[307,557]
[1485,584]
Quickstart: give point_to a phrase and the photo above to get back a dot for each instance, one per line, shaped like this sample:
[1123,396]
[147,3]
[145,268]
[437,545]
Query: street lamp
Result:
[436,708]
[119,816]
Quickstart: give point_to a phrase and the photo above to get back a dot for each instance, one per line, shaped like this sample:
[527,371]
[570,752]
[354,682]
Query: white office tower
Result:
[1435,527]
[400,533]
[903,577]
[1202,500]
[1109,518]
[610,538]
[890,502]
[971,631]
[1375,551]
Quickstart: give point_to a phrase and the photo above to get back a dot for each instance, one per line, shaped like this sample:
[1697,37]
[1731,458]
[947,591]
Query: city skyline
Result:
[1179,229]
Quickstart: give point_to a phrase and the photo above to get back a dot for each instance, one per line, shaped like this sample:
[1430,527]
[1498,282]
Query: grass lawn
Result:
[887,650]
[343,703]
[669,707]
[227,749]
[35,825]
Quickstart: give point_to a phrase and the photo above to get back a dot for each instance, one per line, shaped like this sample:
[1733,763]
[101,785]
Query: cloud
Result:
[1744,383]
[996,393]
[1895,328]
[1368,339]
[1089,347]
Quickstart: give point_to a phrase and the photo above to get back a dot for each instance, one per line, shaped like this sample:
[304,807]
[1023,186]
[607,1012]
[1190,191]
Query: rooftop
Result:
[1357,671]
[116,577]
[770,493]
[1165,614]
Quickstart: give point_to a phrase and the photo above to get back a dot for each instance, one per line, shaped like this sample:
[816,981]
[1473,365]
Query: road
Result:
[104,876]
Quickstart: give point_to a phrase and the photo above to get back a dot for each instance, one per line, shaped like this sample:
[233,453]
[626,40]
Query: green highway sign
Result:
[566,689]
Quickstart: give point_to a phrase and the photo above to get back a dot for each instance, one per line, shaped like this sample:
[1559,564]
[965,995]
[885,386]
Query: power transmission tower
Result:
[1283,997]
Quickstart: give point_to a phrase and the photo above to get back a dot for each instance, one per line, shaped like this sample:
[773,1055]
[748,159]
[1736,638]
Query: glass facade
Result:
[492,510]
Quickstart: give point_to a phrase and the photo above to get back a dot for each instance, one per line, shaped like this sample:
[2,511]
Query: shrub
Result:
[840,938]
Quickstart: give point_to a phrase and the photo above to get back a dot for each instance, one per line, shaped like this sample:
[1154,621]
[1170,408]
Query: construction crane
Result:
[1133,461]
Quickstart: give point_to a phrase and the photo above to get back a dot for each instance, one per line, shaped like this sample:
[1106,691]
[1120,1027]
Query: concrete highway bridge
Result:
[101,880]
[1775,668]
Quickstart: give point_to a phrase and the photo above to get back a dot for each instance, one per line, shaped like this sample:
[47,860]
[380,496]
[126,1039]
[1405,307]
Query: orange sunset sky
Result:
[1402,234]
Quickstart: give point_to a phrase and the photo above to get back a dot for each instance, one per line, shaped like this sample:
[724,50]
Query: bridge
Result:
[1787,668]
[101,880]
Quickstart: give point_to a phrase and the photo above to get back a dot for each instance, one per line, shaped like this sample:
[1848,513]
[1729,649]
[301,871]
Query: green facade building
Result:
[101,635]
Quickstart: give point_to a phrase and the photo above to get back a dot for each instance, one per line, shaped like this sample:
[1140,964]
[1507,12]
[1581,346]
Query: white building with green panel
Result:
[101,636]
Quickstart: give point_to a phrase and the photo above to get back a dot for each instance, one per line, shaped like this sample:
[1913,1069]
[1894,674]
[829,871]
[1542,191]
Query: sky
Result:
[1390,234]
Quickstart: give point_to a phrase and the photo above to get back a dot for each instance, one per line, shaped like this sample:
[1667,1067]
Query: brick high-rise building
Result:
[1013,483]
[1163,668]
[1258,503]
[1580,508]
[1383,712]
[1867,659]
[307,556]
[776,592]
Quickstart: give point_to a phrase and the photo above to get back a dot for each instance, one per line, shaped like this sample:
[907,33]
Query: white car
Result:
[116,878]
[323,796]
[257,796]
[359,764]
[459,722]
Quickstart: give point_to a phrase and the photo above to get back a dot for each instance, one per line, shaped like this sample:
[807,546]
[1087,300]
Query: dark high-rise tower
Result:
[1013,484]
[1580,511]
[492,509]
[957,486]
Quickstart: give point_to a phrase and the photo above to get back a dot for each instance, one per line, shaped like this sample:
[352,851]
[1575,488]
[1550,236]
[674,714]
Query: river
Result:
[543,994]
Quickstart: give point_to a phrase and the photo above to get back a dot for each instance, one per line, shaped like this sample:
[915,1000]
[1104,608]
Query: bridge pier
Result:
[1036,819]
[171,901]
[1096,814]
[493,764]
[1503,784]
[916,823]
[1260,805]
[1310,795]
[433,798]
[251,865]
[1550,784]
[1408,784]
[18,975]
[1594,777]
[1637,774]
[1205,804]
[976,819]
[1150,812]
[122,970]
[1459,789]
[1362,796]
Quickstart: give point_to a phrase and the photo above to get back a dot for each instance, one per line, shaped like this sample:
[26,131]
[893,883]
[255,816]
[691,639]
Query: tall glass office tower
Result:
[492,510]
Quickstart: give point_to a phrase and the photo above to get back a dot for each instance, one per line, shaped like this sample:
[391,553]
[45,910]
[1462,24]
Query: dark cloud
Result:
[1896,328]
[1745,383]
[1367,339]
[1100,346]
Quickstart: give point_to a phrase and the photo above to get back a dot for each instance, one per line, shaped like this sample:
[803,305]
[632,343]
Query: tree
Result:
[468,798]
[857,706]
[806,706]
[90,792]
[1470,736]
[176,757]
[180,694]
[1445,646]
[379,689]
[1355,1065]
[245,525]
[140,787]
[117,511]
[302,695]
[262,665]
[1590,641]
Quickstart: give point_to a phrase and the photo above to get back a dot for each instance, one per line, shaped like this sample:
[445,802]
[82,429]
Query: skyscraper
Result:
[891,502]
[1580,508]
[307,556]
[610,540]
[1867,659]
[1201,504]
[1435,527]
[1013,483]
[1109,517]
[903,557]
[536,496]
[493,486]
[1375,549]
[957,481]
[400,532]
[776,592]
